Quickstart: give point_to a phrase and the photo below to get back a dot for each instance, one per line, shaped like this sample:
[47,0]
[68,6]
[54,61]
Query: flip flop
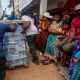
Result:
[45,63]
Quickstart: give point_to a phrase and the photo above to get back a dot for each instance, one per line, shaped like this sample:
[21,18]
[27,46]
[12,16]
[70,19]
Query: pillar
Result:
[43,6]
[1,11]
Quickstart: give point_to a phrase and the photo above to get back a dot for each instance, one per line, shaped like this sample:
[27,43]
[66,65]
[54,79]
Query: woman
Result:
[67,45]
[75,59]
[41,41]
[75,74]
[65,29]
[55,29]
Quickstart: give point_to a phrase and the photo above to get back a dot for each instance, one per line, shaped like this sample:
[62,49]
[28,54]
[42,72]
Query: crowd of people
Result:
[55,36]
[59,40]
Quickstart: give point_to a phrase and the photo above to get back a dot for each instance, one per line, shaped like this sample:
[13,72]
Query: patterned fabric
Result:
[72,64]
[57,27]
[50,47]
[76,72]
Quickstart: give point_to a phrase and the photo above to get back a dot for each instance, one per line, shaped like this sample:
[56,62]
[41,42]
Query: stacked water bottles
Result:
[15,48]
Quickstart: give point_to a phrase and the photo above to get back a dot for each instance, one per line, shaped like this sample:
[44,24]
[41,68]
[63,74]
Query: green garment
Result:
[31,42]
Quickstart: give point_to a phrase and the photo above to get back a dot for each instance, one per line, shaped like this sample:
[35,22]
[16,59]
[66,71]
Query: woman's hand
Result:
[50,30]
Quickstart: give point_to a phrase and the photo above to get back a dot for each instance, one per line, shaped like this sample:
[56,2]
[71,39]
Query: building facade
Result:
[1,11]
[40,6]
[29,6]
[24,3]
[16,7]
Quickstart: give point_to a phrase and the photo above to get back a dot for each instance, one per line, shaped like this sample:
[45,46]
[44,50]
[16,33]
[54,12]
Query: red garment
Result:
[41,41]
[42,37]
[64,59]
[76,25]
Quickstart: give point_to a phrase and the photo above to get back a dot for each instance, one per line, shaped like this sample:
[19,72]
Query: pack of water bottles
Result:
[15,48]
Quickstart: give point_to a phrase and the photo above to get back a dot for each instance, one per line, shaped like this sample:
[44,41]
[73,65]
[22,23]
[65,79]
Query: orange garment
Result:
[44,24]
[42,37]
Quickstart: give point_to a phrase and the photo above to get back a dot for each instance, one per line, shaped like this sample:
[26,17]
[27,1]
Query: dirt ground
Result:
[35,72]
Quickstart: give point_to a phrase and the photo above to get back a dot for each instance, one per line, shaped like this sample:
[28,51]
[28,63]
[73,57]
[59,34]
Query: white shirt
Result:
[32,28]
[5,18]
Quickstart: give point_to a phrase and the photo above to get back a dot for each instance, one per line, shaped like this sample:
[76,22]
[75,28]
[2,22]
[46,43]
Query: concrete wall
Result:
[24,3]
[0,4]
[52,4]
[16,5]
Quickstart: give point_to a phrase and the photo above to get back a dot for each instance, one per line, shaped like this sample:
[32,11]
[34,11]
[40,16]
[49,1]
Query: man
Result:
[36,19]
[12,17]
[3,28]
[31,32]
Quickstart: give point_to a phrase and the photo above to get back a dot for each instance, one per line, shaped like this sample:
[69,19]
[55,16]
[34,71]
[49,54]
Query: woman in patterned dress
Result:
[75,74]
[55,29]
[74,69]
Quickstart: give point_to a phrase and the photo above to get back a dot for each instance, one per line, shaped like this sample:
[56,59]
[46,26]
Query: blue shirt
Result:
[12,18]
[36,21]
[3,28]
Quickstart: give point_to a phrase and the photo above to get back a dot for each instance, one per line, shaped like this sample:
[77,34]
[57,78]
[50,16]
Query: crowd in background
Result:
[55,36]
[58,40]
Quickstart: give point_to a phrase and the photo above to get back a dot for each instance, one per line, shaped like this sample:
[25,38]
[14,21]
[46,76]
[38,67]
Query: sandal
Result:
[46,62]
[42,61]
